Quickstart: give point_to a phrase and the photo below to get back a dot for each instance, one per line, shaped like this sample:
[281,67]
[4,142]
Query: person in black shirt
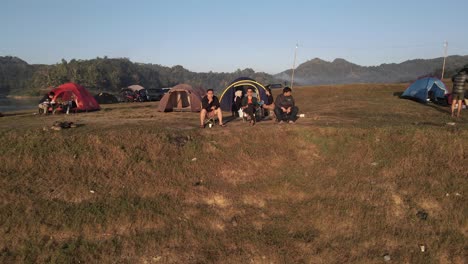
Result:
[269,103]
[46,102]
[458,91]
[249,105]
[210,108]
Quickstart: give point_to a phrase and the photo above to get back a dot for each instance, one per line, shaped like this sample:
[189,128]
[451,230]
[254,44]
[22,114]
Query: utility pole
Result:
[294,65]
[445,57]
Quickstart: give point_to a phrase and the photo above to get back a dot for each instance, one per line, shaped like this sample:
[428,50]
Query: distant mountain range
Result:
[17,77]
[340,71]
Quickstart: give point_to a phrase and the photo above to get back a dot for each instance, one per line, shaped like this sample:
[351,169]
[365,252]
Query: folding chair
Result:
[210,120]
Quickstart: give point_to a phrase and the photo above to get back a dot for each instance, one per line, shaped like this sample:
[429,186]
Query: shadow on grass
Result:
[16,114]
[119,106]
[229,119]
[439,108]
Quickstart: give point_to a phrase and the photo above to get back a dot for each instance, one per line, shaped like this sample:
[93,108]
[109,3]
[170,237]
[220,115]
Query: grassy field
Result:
[365,177]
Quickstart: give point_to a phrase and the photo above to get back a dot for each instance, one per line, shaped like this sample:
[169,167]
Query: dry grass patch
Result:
[343,185]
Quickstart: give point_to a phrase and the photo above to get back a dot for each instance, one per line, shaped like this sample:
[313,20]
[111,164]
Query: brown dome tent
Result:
[181,97]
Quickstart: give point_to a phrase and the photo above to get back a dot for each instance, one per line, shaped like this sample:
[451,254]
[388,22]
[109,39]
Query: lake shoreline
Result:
[15,103]
[19,97]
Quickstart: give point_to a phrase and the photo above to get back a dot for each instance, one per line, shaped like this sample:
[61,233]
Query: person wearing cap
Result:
[458,91]
[285,107]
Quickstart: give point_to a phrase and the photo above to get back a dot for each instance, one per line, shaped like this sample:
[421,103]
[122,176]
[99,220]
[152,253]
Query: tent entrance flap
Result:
[181,97]
[181,101]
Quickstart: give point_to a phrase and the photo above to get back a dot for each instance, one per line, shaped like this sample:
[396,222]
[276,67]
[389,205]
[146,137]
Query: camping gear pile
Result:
[62,125]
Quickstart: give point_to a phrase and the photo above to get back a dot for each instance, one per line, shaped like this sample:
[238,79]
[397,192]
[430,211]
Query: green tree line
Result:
[107,75]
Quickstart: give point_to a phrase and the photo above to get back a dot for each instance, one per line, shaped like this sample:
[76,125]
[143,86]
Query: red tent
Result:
[83,99]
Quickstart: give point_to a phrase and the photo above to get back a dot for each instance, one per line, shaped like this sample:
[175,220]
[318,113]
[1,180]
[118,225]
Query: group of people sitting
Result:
[49,104]
[284,107]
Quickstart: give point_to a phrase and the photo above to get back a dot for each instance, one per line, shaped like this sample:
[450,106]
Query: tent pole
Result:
[445,57]
[294,66]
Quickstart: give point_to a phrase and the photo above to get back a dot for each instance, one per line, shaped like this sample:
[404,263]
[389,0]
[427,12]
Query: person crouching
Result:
[46,102]
[285,108]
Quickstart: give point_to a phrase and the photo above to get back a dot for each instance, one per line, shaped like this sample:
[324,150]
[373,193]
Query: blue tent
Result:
[227,97]
[421,88]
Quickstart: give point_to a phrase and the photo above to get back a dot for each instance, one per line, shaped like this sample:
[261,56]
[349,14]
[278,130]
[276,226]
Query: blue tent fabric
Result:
[420,89]
[227,96]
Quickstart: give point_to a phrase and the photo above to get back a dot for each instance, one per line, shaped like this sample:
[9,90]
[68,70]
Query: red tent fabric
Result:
[83,99]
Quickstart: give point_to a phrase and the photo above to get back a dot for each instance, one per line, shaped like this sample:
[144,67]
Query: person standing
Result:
[285,107]
[458,91]
[210,108]
[237,103]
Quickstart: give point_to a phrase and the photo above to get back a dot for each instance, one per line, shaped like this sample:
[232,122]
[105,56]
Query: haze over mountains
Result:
[340,71]
[111,74]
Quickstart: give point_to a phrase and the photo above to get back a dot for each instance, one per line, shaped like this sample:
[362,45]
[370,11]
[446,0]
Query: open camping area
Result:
[364,177]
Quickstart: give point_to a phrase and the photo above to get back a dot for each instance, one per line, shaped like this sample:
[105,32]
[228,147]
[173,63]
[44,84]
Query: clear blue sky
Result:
[209,35]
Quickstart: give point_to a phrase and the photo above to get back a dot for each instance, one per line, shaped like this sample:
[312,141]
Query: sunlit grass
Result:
[343,185]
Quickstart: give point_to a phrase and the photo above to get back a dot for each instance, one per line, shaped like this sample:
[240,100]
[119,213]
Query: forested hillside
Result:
[17,77]
[106,74]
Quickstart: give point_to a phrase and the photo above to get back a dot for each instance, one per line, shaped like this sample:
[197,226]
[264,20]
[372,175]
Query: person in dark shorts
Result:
[210,108]
[458,91]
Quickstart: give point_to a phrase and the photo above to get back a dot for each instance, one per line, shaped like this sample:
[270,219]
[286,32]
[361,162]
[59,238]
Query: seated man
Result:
[46,102]
[285,108]
[249,105]
[210,108]
[71,103]
[269,104]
